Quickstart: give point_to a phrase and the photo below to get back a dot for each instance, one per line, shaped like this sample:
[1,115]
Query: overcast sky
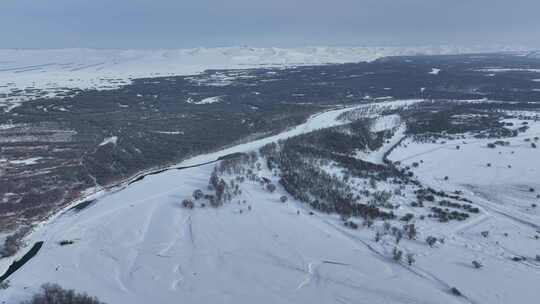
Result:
[192,23]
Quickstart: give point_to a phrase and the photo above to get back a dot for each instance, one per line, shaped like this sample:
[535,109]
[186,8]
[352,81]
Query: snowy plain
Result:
[137,244]
[504,183]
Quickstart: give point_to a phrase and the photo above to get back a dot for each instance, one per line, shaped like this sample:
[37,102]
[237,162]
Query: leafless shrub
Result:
[54,294]
[188,204]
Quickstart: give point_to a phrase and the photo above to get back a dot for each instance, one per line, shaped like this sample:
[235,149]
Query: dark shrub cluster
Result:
[445,215]
[299,160]
[66,242]
[54,294]
[12,243]
[446,203]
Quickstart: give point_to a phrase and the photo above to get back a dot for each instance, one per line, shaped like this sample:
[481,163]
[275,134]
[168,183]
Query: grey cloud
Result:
[190,23]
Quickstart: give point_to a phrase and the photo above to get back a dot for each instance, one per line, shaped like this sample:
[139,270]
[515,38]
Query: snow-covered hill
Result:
[27,74]
[137,244]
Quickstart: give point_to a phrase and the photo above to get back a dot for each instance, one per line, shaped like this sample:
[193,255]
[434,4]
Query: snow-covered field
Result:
[503,181]
[137,244]
[26,74]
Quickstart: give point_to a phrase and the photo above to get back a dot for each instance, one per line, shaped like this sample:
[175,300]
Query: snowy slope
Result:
[503,190]
[49,72]
[138,245]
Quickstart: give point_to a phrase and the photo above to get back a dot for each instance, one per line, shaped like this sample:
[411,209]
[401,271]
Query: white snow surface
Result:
[435,71]
[135,244]
[49,72]
[502,191]
[27,161]
[502,70]
[138,245]
[109,140]
[207,100]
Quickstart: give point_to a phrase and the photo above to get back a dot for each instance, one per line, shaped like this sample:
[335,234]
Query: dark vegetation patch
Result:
[54,294]
[299,161]
[428,122]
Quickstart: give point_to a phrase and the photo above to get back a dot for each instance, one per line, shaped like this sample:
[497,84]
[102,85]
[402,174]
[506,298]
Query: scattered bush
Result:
[198,194]
[431,240]
[477,264]
[351,225]
[271,187]
[377,236]
[407,217]
[54,294]
[398,235]
[444,215]
[283,199]
[411,231]
[188,204]
[455,291]
[397,254]
[12,243]
[4,284]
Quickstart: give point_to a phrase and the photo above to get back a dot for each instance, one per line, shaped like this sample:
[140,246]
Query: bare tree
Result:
[54,294]
[410,258]
[397,254]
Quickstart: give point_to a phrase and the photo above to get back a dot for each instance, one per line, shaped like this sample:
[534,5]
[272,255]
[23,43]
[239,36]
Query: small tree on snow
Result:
[399,236]
[455,291]
[377,236]
[188,204]
[411,231]
[477,264]
[397,254]
[54,294]
[431,240]
[271,187]
[4,284]
[198,194]
[410,259]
